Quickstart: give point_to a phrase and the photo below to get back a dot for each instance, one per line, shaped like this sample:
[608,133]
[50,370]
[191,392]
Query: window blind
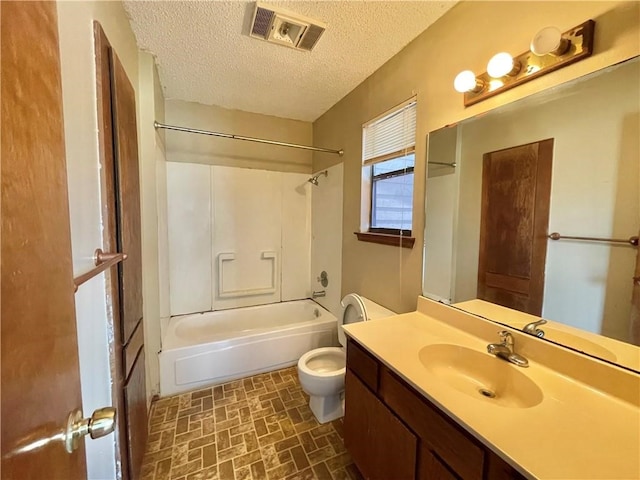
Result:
[391,136]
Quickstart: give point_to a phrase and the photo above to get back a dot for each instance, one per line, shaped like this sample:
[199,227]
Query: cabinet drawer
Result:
[442,436]
[362,364]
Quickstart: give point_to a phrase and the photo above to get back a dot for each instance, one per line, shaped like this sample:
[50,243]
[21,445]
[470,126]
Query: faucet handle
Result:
[506,337]
[532,328]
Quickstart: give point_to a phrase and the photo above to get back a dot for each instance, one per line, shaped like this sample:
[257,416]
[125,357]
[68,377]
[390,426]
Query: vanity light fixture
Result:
[502,64]
[549,41]
[550,50]
[466,81]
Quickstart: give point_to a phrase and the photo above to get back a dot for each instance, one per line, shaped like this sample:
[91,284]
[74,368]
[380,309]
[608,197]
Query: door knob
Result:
[101,423]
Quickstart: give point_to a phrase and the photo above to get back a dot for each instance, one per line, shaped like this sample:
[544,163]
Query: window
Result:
[388,161]
[392,196]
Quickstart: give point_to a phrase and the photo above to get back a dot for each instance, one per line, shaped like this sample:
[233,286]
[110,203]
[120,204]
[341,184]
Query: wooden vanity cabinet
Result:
[393,432]
[380,444]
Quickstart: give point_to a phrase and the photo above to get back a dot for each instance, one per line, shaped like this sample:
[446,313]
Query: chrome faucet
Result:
[532,328]
[504,350]
[320,293]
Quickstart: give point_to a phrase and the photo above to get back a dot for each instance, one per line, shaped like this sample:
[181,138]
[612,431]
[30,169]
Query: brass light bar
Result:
[533,66]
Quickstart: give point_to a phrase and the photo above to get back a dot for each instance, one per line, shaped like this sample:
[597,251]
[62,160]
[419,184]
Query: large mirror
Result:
[566,160]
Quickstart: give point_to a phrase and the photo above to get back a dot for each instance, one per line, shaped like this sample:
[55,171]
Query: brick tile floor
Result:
[255,428]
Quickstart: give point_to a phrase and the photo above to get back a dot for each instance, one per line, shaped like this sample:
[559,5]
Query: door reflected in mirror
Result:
[486,225]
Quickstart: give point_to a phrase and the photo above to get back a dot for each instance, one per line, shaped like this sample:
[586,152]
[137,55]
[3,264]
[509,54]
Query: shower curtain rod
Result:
[248,139]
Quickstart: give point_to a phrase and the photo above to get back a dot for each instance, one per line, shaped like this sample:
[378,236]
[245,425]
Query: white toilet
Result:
[321,371]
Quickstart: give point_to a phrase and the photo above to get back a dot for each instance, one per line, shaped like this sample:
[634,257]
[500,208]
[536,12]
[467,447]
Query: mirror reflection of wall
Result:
[595,192]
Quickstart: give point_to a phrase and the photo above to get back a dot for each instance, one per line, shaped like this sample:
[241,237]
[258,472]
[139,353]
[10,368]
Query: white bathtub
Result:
[214,347]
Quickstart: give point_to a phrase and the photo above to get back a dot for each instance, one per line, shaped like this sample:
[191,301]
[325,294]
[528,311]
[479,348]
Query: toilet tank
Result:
[373,311]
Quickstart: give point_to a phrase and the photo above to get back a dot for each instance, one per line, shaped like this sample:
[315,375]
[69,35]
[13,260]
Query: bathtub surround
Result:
[215,347]
[326,237]
[259,427]
[237,237]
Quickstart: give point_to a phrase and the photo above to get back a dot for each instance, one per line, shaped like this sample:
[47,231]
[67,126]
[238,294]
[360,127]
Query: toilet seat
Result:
[359,309]
[354,311]
[306,361]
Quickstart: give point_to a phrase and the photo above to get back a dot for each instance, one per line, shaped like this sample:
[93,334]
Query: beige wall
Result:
[464,38]
[192,148]
[150,107]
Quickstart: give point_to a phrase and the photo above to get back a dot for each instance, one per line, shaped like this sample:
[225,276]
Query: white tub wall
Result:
[247,223]
[189,236]
[217,210]
[296,236]
[326,240]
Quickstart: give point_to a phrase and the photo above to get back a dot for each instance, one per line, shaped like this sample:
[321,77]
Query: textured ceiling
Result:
[205,55]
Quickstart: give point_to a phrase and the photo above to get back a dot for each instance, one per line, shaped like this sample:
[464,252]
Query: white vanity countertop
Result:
[578,431]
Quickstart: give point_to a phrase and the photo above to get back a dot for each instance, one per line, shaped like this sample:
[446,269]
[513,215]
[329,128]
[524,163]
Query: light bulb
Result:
[465,81]
[549,41]
[502,64]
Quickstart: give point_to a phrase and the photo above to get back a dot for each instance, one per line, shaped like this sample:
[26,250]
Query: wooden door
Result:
[129,230]
[516,190]
[40,367]
[119,158]
[128,237]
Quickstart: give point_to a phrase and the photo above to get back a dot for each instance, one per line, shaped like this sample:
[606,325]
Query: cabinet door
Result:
[454,447]
[381,446]
[498,469]
[432,468]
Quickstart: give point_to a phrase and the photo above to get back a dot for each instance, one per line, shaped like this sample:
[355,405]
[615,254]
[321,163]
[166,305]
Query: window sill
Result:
[386,239]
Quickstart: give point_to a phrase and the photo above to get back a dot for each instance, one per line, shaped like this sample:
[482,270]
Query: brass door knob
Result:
[101,423]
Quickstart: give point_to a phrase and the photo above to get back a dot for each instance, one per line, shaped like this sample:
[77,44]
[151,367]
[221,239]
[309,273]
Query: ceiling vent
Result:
[283,27]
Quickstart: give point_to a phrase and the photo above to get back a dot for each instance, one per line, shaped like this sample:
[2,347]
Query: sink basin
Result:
[480,375]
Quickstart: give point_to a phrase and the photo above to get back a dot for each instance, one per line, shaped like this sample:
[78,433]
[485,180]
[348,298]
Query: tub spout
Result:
[320,293]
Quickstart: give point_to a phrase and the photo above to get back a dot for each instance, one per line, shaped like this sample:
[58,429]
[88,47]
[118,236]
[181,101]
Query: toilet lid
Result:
[354,311]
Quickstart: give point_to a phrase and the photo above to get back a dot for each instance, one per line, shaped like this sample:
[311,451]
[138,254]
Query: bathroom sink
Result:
[480,375]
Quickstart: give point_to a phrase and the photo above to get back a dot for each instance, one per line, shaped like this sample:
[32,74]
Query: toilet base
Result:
[327,409]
